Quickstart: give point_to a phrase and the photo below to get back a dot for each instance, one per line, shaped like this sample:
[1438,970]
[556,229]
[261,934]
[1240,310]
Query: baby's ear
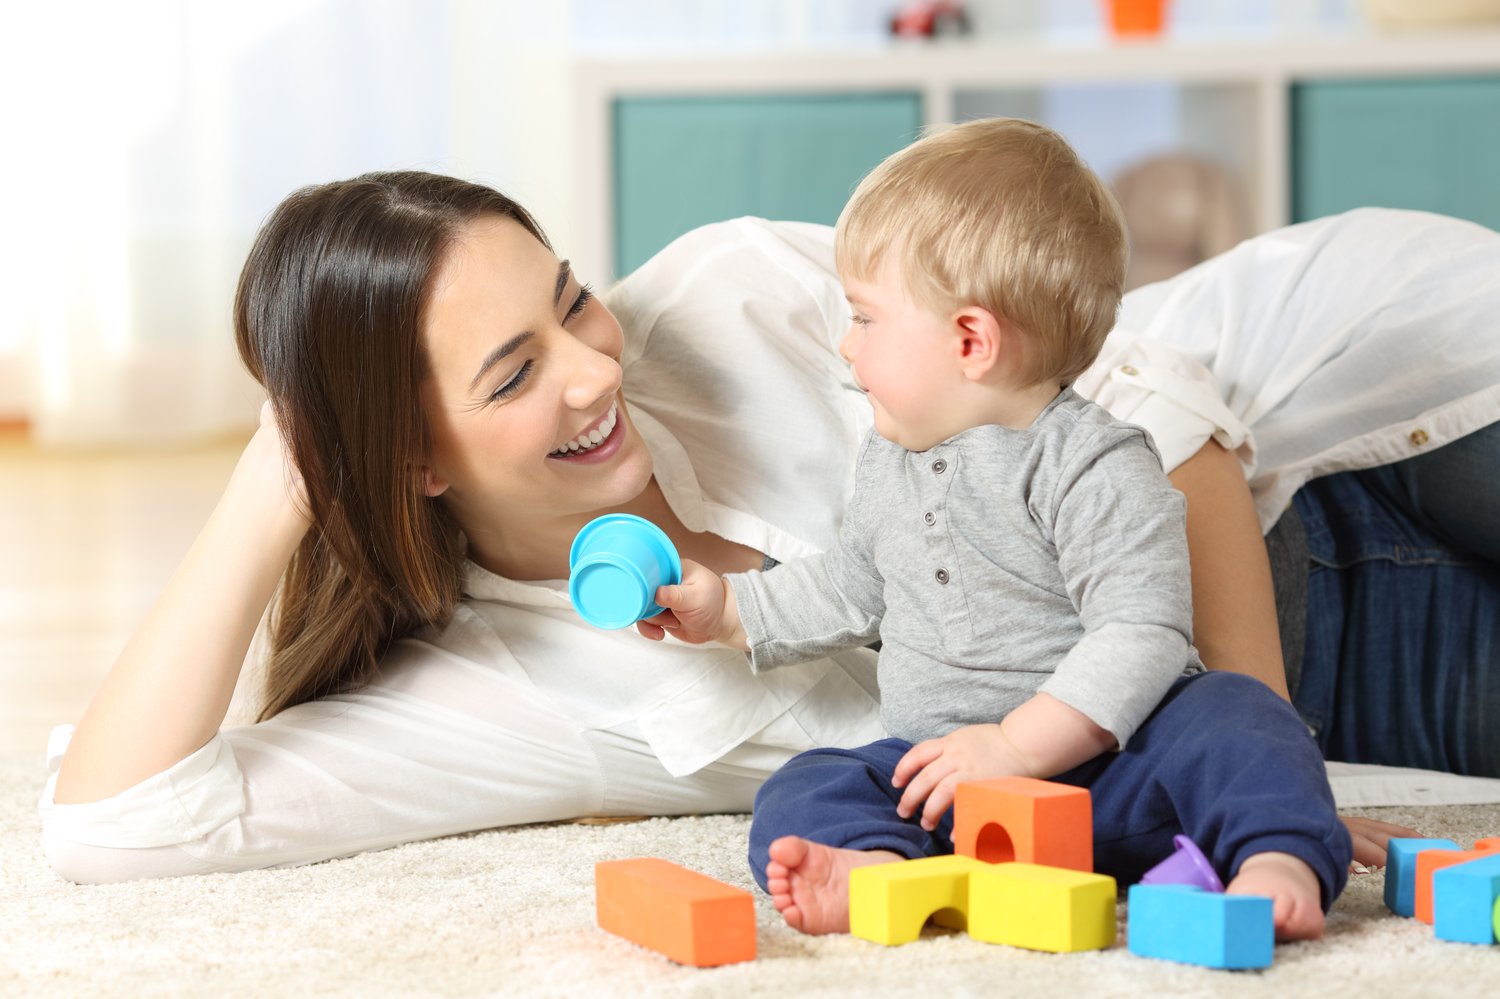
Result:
[982,337]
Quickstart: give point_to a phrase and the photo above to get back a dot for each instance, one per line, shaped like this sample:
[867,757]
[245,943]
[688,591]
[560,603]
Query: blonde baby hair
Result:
[999,213]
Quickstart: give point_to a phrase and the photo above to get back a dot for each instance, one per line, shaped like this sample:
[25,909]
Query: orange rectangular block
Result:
[689,917]
[1026,820]
[1430,861]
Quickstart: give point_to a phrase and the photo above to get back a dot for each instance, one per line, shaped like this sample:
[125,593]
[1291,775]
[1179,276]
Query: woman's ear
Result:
[433,484]
[981,339]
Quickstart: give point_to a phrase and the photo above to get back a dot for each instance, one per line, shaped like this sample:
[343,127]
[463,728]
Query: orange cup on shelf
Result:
[1136,18]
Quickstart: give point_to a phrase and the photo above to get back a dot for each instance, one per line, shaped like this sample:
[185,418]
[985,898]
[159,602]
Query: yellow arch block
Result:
[890,903]
[1041,908]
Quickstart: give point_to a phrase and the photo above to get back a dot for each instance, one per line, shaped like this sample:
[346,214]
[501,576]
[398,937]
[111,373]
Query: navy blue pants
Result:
[1222,759]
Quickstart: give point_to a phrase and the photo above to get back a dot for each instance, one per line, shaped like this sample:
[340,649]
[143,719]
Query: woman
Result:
[457,405]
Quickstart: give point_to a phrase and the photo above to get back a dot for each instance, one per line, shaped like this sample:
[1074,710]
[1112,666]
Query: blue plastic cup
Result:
[615,565]
[1186,866]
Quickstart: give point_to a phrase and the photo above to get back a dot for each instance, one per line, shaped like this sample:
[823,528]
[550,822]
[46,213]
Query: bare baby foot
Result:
[1296,897]
[809,882]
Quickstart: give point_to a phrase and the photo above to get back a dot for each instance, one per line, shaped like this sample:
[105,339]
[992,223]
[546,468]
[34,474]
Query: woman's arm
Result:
[168,692]
[1234,604]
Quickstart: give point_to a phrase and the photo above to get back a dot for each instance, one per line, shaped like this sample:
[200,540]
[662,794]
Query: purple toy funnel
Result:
[1186,866]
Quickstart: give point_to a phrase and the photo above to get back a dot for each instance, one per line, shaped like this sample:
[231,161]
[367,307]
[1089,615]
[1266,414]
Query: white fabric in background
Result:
[1359,785]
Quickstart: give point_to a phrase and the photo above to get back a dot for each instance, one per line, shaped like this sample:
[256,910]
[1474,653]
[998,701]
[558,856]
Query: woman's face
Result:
[522,394]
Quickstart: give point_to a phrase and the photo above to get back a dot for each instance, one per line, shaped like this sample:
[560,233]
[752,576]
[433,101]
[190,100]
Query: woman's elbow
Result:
[86,864]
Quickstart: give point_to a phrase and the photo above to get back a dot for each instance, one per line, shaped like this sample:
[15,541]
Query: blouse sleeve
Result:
[1172,396]
[440,744]
[183,803]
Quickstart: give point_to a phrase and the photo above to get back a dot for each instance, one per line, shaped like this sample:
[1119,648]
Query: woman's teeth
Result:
[592,439]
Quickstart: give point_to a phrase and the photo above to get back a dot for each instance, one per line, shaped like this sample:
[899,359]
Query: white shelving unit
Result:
[1233,106]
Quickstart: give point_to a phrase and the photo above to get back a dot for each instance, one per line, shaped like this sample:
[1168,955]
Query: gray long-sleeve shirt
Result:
[995,565]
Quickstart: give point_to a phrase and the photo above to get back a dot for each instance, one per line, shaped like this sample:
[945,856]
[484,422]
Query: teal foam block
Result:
[1401,871]
[1463,901]
[1192,926]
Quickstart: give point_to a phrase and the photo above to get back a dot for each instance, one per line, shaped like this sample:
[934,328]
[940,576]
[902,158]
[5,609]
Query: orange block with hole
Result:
[689,917]
[1429,861]
[1026,820]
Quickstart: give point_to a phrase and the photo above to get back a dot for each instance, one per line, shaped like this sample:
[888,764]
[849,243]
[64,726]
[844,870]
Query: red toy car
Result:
[929,19]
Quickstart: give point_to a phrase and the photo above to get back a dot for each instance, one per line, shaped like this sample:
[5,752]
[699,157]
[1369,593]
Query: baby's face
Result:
[905,358]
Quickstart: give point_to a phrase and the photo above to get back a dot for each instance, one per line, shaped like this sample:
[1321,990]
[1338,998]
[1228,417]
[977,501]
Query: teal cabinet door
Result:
[1432,144]
[681,162]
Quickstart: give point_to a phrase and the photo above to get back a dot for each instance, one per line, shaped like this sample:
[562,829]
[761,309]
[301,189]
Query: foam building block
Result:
[1025,820]
[690,917]
[1401,871]
[1430,861]
[1464,901]
[1192,926]
[890,903]
[1042,908]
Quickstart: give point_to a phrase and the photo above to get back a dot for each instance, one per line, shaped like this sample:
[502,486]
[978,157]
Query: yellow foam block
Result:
[889,903]
[1041,908]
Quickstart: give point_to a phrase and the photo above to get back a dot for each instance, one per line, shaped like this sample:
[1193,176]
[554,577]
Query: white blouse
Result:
[1341,343]
[1346,342]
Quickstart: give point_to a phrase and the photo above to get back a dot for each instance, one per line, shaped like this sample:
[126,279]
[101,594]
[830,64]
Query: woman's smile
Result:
[598,442]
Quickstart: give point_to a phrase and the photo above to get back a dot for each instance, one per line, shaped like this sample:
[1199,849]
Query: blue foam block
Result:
[1187,924]
[1463,901]
[1401,871]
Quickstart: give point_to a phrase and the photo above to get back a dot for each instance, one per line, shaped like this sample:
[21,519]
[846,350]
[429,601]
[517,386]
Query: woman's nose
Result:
[592,376]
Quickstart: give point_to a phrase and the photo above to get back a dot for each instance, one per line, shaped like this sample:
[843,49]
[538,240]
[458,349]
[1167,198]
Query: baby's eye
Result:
[859,320]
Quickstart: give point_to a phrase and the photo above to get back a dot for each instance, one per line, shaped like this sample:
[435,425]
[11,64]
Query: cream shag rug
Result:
[510,913]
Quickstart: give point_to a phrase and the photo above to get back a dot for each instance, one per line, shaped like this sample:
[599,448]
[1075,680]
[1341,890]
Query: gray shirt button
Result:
[939,467]
[942,576]
[929,518]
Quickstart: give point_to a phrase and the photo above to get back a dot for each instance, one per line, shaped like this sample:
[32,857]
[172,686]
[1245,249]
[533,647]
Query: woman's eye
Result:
[513,386]
[859,320]
[585,295]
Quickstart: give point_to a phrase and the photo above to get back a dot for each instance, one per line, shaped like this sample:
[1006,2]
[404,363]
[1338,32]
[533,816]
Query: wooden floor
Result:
[86,542]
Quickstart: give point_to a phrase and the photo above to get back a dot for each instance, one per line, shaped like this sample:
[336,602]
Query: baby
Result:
[1020,555]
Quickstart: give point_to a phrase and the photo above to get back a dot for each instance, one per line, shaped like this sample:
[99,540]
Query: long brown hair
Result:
[328,317]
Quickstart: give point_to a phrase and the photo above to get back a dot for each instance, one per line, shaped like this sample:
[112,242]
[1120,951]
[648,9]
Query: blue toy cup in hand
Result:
[615,565]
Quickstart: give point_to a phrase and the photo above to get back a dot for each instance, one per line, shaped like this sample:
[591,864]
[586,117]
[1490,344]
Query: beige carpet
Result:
[510,913]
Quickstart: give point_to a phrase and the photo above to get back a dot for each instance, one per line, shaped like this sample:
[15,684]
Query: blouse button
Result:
[1129,369]
[929,518]
[942,576]
[1418,438]
[939,467]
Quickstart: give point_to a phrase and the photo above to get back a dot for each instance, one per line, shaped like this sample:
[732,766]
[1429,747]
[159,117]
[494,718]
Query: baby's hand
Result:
[932,770]
[699,609]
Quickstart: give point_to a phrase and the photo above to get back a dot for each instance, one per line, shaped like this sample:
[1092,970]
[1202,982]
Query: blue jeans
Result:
[1402,656]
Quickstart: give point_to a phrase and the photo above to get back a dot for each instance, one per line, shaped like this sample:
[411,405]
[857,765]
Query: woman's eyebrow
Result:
[499,354]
